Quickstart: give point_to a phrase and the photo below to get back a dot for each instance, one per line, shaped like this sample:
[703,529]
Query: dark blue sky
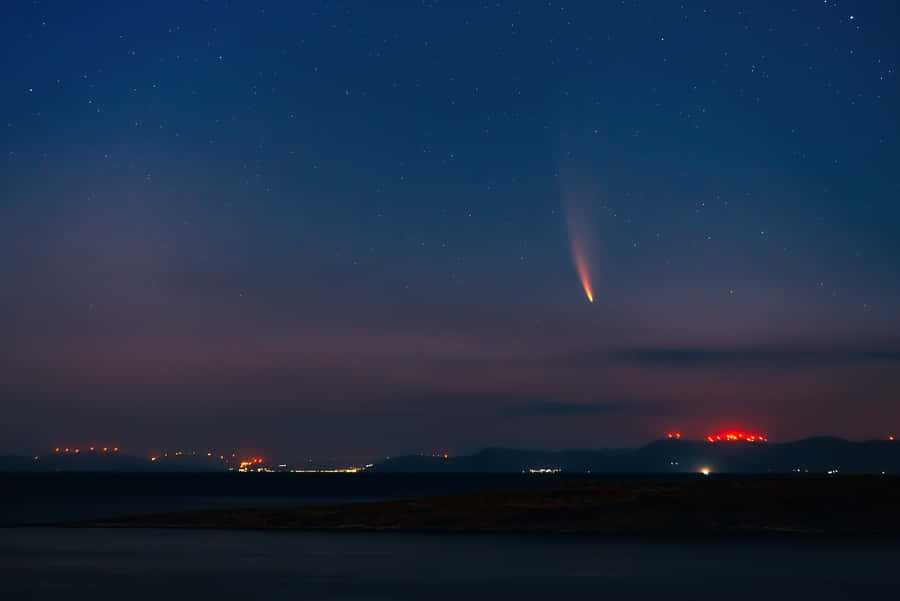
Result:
[339,229]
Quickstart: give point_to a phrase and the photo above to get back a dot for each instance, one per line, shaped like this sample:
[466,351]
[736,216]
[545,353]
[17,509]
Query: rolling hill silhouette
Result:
[819,455]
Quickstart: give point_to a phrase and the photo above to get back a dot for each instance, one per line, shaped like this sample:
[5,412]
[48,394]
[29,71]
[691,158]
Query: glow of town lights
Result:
[736,435]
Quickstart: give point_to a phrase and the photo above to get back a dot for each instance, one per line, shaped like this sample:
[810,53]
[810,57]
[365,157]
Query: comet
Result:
[579,256]
[581,244]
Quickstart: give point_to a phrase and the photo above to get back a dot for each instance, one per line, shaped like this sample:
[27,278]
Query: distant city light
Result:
[544,470]
[244,466]
[90,448]
[735,435]
[339,470]
[705,471]
[673,435]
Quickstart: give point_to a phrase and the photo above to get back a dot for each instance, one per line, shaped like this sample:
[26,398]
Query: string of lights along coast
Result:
[680,454]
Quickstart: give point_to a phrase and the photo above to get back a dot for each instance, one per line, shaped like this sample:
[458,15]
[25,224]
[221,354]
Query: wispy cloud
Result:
[688,357]
[777,356]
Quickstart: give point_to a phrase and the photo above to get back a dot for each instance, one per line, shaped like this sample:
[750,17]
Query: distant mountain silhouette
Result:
[818,455]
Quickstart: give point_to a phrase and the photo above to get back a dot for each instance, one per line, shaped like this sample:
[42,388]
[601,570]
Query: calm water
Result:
[75,564]
[59,564]
[50,497]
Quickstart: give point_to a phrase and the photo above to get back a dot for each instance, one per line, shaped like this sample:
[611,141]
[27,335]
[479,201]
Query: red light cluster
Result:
[735,435]
[673,435]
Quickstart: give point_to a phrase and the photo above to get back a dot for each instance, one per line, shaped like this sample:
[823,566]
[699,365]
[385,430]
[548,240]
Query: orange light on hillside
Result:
[57,449]
[92,448]
[105,449]
[77,450]
[736,435]
[673,435]
[446,455]
[115,449]
[891,437]
[67,449]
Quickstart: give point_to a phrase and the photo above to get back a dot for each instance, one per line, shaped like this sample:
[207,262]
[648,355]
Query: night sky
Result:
[339,230]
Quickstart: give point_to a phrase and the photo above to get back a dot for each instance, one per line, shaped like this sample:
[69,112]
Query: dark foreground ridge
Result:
[860,505]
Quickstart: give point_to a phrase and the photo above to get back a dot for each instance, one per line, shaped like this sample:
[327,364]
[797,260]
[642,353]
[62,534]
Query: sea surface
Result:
[39,498]
[38,563]
[136,564]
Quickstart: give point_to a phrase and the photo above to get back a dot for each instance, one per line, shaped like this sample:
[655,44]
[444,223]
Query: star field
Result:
[340,229]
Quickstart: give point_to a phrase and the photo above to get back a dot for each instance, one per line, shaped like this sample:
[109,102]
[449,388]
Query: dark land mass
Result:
[809,456]
[859,505]
[105,462]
